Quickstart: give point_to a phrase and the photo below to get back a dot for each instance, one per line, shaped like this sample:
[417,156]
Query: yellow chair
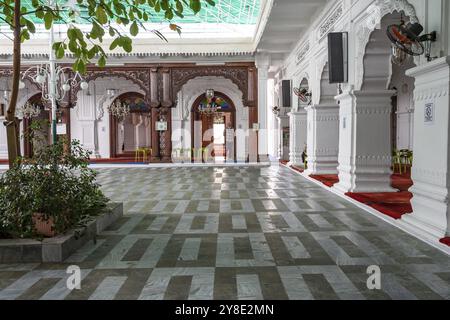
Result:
[137,154]
[197,153]
[396,160]
[205,152]
[144,152]
[406,157]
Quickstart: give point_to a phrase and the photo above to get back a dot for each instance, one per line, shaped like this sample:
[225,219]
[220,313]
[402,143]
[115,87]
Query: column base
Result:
[295,159]
[322,165]
[263,158]
[363,182]
[431,216]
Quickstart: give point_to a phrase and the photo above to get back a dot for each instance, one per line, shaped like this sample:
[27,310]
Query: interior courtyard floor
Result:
[235,233]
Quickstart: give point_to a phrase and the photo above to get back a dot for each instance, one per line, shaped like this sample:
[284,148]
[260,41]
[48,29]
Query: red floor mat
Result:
[327,179]
[393,204]
[445,240]
[298,169]
[112,160]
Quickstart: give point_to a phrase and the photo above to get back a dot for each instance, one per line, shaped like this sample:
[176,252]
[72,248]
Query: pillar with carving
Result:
[364,141]
[323,138]
[297,124]
[262,64]
[430,170]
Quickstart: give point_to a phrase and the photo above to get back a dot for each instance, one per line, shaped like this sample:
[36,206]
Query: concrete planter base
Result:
[58,248]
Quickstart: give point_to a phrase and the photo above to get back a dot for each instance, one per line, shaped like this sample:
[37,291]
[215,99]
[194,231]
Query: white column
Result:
[365,141]
[323,138]
[137,122]
[148,131]
[431,163]
[283,151]
[298,134]
[262,64]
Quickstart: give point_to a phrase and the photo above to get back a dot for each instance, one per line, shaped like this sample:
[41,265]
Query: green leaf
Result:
[48,20]
[73,46]
[179,6]
[195,5]
[60,53]
[165,5]
[126,44]
[114,44]
[211,2]
[91,53]
[134,29]
[101,15]
[157,7]
[169,14]
[30,26]
[71,34]
[39,14]
[102,61]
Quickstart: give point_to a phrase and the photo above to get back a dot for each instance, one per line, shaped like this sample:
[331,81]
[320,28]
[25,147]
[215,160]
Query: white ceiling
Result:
[286,23]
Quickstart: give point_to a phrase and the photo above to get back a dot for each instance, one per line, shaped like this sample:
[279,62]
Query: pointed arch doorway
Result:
[213,135]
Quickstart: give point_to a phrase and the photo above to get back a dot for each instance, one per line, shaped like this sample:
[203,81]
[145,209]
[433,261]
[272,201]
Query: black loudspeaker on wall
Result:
[338,57]
[286,93]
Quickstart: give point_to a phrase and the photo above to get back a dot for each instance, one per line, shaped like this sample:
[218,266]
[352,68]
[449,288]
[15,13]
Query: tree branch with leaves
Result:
[103,15]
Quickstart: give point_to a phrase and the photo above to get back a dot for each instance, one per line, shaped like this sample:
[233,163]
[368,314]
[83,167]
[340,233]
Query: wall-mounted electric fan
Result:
[406,40]
[303,94]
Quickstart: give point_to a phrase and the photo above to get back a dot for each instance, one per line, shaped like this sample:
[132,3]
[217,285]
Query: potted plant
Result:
[50,193]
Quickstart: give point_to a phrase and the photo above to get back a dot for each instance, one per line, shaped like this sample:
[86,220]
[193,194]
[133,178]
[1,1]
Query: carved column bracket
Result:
[154,96]
[166,92]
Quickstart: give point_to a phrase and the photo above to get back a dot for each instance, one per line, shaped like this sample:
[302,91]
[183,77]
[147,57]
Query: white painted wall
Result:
[83,116]
[405,104]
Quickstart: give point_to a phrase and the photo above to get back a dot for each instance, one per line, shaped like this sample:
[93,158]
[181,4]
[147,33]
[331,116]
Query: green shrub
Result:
[57,183]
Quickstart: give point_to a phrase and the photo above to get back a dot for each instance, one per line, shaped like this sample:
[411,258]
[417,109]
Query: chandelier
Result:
[53,84]
[119,110]
[28,111]
[211,106]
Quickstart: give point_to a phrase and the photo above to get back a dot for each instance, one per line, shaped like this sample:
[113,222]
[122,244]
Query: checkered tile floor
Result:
[235,233]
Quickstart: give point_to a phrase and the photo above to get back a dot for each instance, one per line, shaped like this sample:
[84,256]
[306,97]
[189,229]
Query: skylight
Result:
[240,12]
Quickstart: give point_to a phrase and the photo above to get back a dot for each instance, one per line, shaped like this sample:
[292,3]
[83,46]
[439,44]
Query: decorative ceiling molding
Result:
[370,21]
[330,21]
[119,55]
[302,52]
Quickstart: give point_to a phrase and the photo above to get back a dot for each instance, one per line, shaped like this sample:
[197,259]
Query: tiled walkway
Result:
[236,233]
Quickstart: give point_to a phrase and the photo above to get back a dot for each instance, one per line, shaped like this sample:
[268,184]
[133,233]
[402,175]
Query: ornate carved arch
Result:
[237,74]
[371,21]
[140,77]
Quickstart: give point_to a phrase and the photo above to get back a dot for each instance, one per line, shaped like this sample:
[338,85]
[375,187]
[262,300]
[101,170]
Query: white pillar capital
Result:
[262,61]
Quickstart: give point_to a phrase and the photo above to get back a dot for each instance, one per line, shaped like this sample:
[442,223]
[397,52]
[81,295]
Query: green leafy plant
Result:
[112,16]
[56,183]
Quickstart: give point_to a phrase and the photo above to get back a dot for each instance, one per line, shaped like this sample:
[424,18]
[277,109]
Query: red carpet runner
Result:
[393,204]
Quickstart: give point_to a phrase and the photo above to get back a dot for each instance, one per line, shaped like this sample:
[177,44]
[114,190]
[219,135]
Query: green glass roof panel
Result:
[239,12]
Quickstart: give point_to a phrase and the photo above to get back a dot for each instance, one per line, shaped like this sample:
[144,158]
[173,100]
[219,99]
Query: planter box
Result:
[58,248]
